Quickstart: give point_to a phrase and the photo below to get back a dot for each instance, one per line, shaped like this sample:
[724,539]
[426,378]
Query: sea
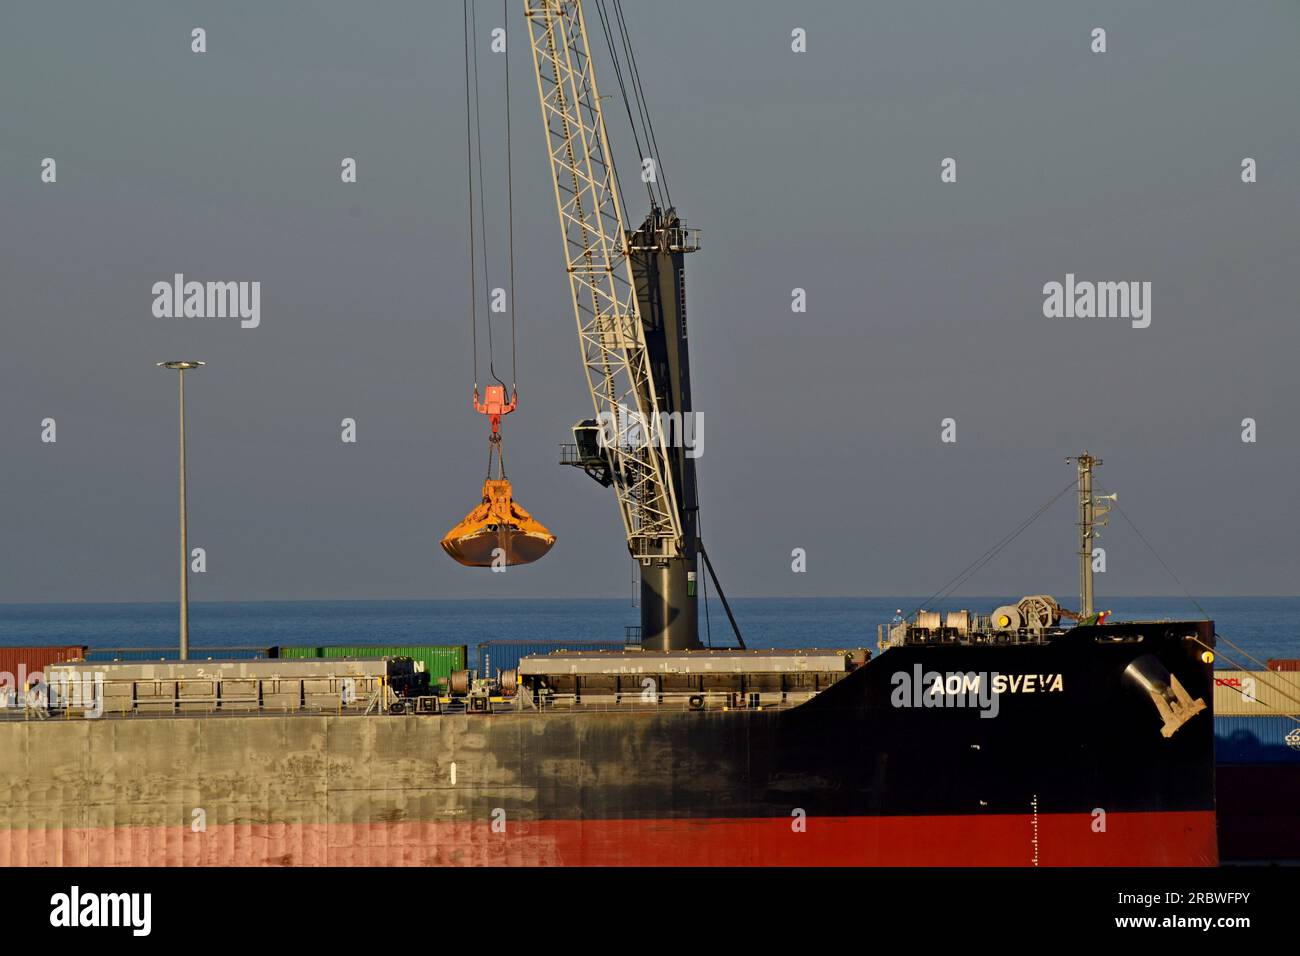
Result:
[1258,627]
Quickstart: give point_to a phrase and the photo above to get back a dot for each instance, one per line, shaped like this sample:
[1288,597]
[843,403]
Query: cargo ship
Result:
[1006,739]
[1090,745]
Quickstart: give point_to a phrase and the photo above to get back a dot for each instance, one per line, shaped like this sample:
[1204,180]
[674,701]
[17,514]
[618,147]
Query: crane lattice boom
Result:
[601,282]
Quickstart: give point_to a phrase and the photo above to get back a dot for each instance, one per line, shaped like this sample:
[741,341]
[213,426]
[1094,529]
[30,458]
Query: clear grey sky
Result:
[817,170]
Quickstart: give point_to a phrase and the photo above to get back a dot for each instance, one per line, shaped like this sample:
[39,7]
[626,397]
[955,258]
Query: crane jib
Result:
[612,339]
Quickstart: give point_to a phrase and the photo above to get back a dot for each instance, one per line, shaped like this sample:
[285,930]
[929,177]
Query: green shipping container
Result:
[294,653]
[439,659]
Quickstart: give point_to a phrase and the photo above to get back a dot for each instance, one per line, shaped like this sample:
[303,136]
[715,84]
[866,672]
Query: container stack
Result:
[1257,759]
[439,660]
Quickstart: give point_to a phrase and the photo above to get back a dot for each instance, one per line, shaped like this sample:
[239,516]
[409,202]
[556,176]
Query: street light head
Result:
[181,366]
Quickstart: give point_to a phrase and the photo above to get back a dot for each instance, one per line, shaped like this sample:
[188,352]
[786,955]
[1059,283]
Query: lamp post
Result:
[181,368]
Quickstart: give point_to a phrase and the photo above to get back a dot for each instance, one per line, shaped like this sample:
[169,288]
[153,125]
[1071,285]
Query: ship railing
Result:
[84,697]
[679,238]
[172,706]
[674,701]
[981,632]
[19,705]
[891,635]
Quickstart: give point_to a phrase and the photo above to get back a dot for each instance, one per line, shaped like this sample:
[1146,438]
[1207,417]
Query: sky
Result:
[817,170]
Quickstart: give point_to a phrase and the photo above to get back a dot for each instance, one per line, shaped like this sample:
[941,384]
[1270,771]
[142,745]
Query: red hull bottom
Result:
[1132,839]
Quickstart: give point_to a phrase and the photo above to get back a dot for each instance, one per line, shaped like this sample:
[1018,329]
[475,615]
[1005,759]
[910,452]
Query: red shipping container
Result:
[1283,664]
[19,663]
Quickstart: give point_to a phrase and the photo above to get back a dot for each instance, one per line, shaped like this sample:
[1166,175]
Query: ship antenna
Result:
[1092,515]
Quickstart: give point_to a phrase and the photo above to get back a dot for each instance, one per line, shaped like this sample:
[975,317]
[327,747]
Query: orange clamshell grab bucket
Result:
[499,522]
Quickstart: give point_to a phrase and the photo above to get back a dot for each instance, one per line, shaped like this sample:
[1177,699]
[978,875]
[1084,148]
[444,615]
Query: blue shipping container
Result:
[494,656]
[1256,740]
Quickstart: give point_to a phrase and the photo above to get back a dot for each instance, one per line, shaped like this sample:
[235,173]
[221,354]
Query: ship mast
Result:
[1091,517]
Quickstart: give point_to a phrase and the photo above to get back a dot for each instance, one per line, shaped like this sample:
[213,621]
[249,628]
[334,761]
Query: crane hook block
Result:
[499,532]
[494,404]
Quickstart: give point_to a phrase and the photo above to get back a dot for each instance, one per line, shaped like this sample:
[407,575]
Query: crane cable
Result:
[510,206]
[630,75]
[966,573]
[478,148]
[1205,614]
[474,158]
[1156,554]
[661,178]
[469,169]
[1294,717]
[627,104]
[708,624]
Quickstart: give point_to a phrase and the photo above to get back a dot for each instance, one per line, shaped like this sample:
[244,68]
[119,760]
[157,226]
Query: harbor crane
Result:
[629,299]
